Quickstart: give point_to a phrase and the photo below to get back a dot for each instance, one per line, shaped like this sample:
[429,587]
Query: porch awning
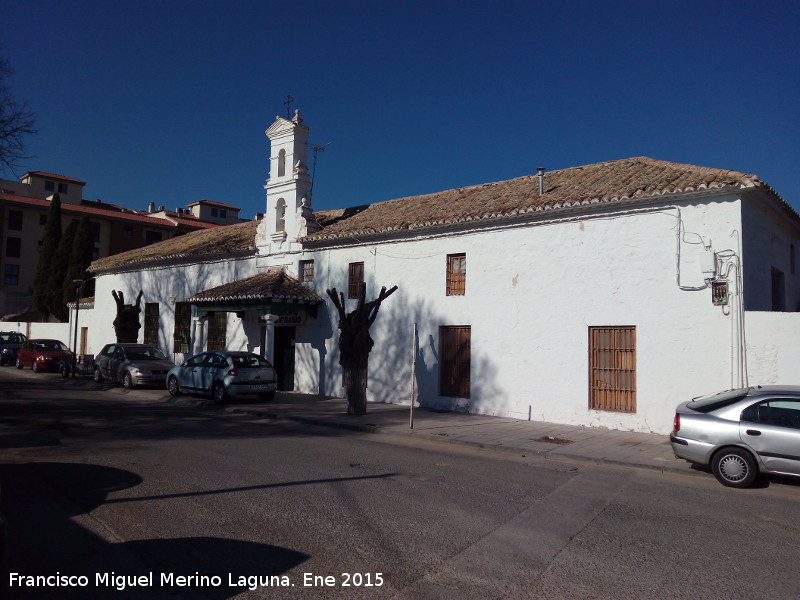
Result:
[273,292]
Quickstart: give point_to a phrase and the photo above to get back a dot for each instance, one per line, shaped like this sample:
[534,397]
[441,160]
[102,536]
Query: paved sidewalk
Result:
[549,440]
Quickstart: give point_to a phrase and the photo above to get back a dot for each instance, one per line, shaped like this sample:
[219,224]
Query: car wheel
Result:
[127,381]
[267,397]
[734,467]
[98,378]
[35,367]
[19,364]
[172,386]
[218,392]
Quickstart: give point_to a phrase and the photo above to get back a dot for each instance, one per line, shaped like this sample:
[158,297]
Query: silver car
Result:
[131,365]
[741,433]
[224,374]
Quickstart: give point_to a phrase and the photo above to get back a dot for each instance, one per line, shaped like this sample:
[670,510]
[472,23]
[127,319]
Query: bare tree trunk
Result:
[355,345]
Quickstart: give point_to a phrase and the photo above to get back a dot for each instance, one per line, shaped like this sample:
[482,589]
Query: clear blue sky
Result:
[167,101]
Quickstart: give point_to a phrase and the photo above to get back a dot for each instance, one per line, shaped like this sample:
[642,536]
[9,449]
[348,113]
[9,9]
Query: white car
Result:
[224,374]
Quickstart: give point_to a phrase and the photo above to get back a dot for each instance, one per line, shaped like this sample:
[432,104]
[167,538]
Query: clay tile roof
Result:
[606,182]
[274,285]
[219,241]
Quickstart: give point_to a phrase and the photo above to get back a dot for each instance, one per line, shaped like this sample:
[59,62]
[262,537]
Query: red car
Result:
[42,355]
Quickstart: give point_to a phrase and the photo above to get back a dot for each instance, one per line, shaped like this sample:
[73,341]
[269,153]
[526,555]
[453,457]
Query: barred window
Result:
[456,274]
[151,323]
[355,285]
[183,321]
[612,369]
[217,324]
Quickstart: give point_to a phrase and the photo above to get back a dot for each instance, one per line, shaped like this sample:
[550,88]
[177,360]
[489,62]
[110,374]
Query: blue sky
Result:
[167,101]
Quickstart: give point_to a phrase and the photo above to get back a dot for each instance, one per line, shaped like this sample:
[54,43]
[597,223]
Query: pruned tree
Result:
[47,283]
[16,123]
[126,324]
[355,344]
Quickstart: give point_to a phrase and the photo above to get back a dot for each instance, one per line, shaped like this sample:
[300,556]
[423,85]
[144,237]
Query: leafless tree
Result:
[355,344]
[16,123]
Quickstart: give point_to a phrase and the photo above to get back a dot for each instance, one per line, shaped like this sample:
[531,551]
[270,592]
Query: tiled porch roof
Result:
[273,285]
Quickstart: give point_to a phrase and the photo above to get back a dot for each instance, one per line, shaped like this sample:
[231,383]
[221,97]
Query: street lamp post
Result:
[78,283]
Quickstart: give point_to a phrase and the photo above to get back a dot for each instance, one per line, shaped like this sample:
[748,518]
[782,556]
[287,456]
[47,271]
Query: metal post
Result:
[78,283]
[413,375]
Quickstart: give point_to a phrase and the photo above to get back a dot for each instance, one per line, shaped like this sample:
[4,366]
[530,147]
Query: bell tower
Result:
[288,215]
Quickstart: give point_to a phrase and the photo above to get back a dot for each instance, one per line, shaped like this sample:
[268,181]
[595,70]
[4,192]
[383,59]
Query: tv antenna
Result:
[317,149]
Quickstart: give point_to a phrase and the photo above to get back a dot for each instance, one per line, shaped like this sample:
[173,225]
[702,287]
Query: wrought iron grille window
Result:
[151,323]
[612,369]
[217,324]
[456,274]
[183,320]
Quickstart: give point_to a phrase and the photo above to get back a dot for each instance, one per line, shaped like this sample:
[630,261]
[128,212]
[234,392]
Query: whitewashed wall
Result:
[773,348]
[531,295]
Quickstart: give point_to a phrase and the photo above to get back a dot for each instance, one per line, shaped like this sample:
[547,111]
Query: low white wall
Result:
[57,331]
[773,347]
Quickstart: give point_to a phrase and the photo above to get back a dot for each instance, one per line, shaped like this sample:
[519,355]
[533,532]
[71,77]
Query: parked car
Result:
[42,355]
[131,365]
[741,433]
[10,343]
[224,374]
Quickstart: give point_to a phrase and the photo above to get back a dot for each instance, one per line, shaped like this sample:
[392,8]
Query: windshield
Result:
[711,402]
[50,346]
[145,354]
[11,338]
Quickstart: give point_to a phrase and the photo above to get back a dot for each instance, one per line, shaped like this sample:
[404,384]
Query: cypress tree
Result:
[80,258]
[44,286]
[61,265]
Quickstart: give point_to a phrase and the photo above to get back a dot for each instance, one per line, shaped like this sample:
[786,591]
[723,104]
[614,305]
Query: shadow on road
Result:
[51,533]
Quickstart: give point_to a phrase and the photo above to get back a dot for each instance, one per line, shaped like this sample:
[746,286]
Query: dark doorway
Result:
[284,357]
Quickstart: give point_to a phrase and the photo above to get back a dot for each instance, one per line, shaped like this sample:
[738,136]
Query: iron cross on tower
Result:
[288,105]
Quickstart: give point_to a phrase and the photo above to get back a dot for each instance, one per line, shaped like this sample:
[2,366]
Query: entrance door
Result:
[284,357]
[454,367]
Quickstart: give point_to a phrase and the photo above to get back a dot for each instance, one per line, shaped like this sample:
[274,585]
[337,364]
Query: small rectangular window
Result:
[214,212]
[355,285]
[13,247]
[612,369]
[456,274]
[49,186]
[223,214]
[306,271]
[95,229]
[11,275]
[15,220]
[62,188]
[127,232]
[152,237]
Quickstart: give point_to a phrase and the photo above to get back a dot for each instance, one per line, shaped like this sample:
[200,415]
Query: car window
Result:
[711,402]
[250,361]
[145,354]
[195,360]
[216,360]
[781,412]
[108,350]
[11,338]
[119,353]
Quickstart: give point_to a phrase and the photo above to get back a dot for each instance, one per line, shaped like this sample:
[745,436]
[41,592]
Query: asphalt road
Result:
[188,500]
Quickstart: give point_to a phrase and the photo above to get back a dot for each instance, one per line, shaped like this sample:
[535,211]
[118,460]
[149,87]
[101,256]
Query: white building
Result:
[600,295]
